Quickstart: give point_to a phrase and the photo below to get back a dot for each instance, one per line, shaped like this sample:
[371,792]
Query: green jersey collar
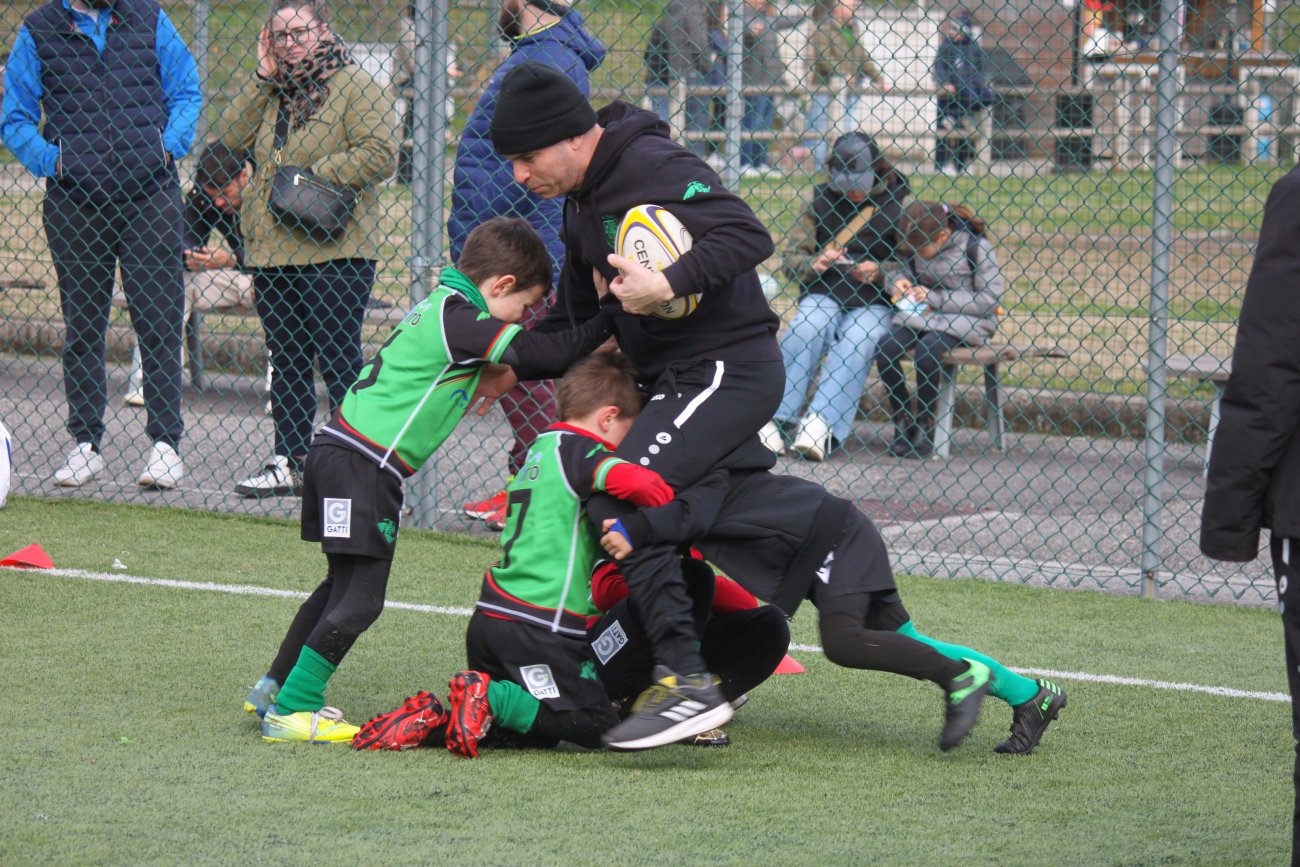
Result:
[453,279]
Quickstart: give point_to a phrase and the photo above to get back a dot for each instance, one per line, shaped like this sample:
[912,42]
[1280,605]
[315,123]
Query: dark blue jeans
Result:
[759,111]
[88,243]
[930,347]
[311,313]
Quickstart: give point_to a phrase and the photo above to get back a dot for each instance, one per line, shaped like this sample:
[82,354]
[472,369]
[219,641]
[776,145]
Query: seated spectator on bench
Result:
[214,279]
[847,230]
[948,294]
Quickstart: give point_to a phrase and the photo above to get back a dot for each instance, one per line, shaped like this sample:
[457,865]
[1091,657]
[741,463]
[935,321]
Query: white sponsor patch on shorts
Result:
[610,642]
[539,681]
[336,518]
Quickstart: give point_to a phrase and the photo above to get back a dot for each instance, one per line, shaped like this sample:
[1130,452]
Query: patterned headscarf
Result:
[304,85]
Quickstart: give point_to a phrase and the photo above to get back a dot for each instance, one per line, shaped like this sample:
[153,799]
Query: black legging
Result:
[341,608]
[859,630]
[930,347]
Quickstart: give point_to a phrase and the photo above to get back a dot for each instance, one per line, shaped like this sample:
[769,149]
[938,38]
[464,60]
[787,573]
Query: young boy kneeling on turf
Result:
[533,671]
[405,403]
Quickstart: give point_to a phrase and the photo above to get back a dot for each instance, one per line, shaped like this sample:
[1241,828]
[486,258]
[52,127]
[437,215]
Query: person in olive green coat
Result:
[336,122]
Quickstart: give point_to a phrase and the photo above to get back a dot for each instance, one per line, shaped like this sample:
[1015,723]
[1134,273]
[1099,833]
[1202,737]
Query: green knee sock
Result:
[304,688]
[1012,688]
[513,707]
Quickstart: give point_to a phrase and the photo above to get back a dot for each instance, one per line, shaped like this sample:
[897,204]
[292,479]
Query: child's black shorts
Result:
[349,504]
[557,670]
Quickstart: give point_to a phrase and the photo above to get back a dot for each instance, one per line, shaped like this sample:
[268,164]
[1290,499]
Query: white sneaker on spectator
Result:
[133,398]
[950,170]
[135,382]
[276,479]
[84,463]
[162,468]
[770,435]
[814,438]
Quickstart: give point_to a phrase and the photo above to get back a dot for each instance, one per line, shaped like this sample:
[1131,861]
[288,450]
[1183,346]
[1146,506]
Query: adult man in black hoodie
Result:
[716,374]
[1254,476]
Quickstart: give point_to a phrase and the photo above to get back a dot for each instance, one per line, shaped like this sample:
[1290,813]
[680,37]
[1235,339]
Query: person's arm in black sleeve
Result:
[728,239]
[549,354]
[687,518]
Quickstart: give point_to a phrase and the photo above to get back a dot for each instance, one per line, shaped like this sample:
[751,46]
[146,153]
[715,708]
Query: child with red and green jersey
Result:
[404,405]
[531,670]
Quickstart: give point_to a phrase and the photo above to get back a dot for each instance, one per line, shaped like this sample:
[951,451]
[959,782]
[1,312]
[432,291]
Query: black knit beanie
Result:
[538,106]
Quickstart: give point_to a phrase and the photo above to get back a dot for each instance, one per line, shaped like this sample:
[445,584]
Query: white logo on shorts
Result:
[610,642]
[338,518]
[539,681]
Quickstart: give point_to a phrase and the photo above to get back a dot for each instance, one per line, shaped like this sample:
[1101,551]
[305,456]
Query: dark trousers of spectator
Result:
[529,406]
[89,243]
[311,313]
[930,347]
[701,415]
[759,111]
[952,144]
[1286,553]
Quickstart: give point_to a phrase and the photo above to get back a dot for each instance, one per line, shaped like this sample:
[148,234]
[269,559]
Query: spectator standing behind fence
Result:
[762,68]
[963,92]
[120,97]
[339,124]
[214,276]
[484,187]
[948,294]
[404,78]
[838,67]
[680,51]
[1253,481]
[848,229]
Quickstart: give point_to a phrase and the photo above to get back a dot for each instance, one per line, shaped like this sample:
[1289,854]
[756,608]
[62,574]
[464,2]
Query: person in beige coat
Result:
[336,122]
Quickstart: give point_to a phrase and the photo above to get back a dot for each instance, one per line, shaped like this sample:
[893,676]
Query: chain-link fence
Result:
[1116,155]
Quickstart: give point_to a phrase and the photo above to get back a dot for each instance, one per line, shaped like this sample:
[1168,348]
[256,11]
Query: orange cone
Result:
[31,557]
[789,665]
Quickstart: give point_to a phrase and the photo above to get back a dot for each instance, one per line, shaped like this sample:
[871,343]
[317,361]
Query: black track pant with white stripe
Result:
[1286,569]
[701,415]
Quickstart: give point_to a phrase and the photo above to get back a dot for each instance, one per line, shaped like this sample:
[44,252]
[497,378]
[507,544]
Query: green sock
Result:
[513,707]
[1012,688]
[304,688]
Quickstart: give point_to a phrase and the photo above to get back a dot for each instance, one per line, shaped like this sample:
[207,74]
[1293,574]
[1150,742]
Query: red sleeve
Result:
[728,596]
[637,485]
[608,587]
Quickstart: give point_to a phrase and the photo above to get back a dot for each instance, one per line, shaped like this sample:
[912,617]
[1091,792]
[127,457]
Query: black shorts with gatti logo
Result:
[349,504]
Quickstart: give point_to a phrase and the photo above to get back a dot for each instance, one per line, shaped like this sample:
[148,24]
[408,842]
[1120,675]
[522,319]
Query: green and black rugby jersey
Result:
[549,546]
[412,393]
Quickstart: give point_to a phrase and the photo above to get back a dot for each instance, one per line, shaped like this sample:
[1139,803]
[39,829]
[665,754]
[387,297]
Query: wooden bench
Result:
[1213,369]
[990,356]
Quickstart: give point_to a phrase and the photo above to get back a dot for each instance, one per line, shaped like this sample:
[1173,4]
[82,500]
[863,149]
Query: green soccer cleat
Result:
[261,696]
[325,726]
[962,707]
[1030,719]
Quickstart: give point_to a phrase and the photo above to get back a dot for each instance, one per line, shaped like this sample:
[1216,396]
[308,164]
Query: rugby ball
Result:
[653,238]
[6,464]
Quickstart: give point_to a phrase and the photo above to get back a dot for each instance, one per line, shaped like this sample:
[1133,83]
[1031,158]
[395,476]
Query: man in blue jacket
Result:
[120,95]
[543,32]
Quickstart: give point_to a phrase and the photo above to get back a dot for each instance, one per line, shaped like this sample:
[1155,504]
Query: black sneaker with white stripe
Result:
[674,708]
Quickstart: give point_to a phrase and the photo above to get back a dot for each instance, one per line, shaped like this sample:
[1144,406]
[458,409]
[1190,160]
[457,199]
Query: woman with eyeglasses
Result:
[309,105]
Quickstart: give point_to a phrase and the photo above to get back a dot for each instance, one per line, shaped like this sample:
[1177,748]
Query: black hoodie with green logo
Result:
[636,163]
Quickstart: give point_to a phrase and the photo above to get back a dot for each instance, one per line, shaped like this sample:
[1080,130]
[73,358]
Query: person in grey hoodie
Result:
[948,293]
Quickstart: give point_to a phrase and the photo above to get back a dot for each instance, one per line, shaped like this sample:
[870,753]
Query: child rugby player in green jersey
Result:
[532,669]
[405,403]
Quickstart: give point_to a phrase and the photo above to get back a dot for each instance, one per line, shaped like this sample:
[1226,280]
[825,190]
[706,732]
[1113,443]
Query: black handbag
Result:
[300,201]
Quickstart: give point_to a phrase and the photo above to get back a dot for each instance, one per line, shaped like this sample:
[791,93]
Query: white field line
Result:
[254,590]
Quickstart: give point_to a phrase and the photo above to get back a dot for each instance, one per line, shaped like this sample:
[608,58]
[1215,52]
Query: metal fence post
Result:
[1162,214]
[734,93]
[428,190]
[201,48]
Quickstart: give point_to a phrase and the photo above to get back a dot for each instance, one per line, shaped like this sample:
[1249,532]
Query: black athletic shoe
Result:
[1029,720]
[962,704]
[674,708]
